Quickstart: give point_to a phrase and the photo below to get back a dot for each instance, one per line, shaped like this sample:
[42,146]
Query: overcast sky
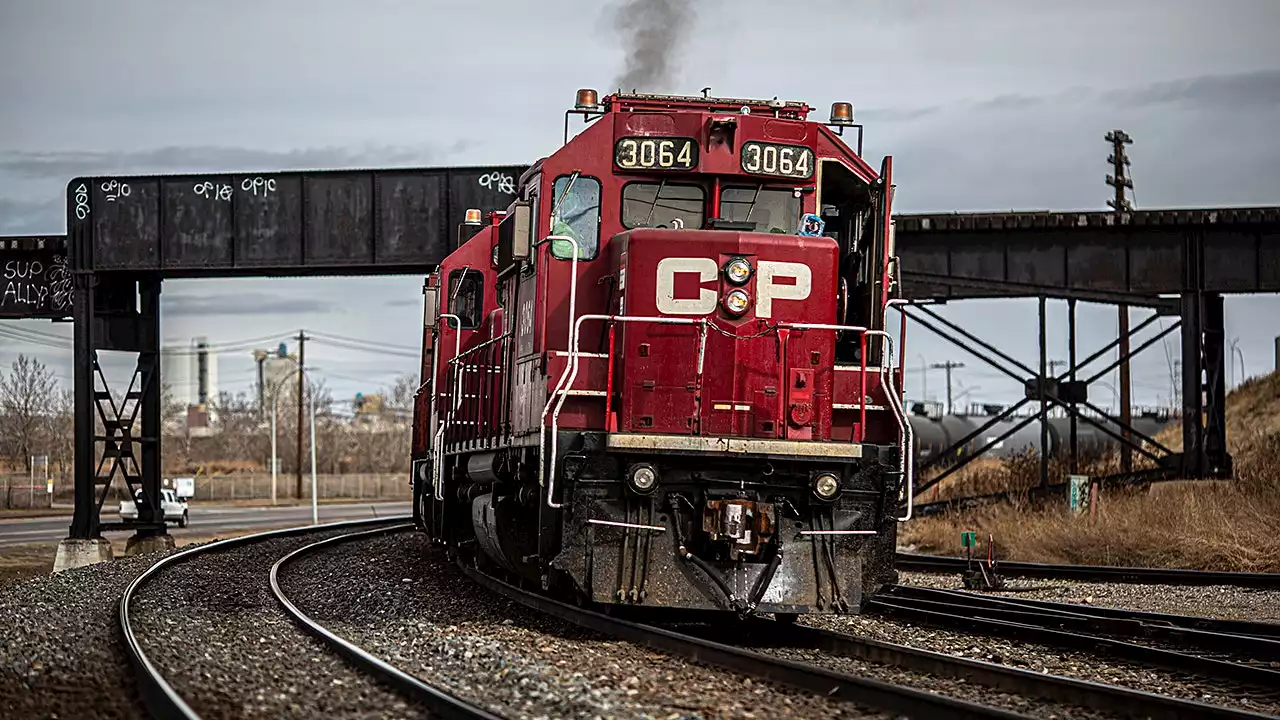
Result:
[987,104]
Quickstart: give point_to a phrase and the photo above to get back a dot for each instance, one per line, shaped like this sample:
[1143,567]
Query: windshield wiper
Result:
[654,206]
[752,206]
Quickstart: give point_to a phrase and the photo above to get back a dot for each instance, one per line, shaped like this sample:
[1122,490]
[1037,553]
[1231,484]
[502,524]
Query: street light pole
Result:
[315,507]
[275,460]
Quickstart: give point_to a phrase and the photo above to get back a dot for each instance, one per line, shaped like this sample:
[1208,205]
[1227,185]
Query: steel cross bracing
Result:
[1066,392]
[117,314]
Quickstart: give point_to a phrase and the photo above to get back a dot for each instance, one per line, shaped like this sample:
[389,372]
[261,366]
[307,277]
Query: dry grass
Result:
[1230,525]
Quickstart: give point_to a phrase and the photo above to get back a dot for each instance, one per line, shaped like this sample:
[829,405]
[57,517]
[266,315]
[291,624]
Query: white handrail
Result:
[437,449]
[570,374]
[906,460]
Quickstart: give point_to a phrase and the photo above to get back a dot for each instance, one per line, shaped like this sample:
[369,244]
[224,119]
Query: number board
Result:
[793,161]
[656,153]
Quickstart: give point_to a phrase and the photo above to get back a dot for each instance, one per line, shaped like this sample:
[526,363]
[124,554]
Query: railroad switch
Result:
[981,574]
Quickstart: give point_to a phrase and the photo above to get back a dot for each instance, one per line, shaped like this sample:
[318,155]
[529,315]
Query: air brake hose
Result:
[685,554]
[764,580]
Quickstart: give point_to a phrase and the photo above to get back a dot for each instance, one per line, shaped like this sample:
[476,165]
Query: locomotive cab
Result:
[663,377]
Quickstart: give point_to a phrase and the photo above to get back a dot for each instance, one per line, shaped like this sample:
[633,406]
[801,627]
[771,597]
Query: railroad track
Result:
[164,701]
[721,646]
[158,692]
[1095,573]
[1240,651]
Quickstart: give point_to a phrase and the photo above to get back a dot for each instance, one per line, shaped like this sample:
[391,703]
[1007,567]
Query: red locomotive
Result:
[662,376]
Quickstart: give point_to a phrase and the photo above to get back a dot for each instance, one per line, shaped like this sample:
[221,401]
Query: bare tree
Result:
[26,408]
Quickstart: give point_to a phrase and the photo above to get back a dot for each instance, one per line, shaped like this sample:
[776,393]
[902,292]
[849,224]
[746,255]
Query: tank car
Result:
[663,377]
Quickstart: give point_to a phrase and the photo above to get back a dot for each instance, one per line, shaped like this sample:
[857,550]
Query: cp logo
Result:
[767,290]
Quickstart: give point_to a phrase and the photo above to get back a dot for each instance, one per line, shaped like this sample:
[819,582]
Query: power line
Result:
[362,341]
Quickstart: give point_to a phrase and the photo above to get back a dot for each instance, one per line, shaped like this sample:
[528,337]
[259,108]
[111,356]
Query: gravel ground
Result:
[400,600]
[1040,658]
[60,647]
[1216,601]
[951,687]
[214,629]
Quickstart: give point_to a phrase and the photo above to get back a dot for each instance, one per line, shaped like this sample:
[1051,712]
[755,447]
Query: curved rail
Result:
[828,683]
[441,703]
[159,697]
[1072,691]
[1096,573]
[1077,629]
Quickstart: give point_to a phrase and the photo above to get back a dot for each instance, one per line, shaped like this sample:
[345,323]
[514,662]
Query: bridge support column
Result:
[115,314]
[1204,416]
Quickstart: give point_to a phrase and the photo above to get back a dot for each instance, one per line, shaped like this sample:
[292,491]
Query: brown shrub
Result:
[1227,525]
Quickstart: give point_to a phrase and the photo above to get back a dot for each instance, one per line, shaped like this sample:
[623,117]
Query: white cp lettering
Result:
[767,290]
[667,270]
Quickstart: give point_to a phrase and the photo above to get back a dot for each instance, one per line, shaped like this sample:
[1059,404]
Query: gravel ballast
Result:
[397,598]
[1040,658]
[213,628]
[60,644]
[1214,601]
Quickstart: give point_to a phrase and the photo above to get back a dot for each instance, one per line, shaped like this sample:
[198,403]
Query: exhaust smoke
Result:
[652,31]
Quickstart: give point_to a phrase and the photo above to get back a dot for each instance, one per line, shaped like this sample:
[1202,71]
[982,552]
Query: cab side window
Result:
[466,297]
[576,204]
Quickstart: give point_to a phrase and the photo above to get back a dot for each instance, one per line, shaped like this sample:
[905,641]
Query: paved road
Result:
[205,520]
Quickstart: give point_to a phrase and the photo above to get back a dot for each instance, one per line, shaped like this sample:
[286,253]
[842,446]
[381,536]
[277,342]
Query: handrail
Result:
[437,452]
[570,374]
[906,456]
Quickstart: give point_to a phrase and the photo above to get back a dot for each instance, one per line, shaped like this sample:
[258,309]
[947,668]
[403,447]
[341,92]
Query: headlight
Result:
[736,302]
[826,485]
[737,271]
[643,478]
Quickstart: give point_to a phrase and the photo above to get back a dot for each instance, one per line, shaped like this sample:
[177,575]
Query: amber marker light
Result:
[587,100]
[473,217]
[841,113]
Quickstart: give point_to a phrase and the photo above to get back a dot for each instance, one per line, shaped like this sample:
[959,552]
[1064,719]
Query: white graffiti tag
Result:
[505,183]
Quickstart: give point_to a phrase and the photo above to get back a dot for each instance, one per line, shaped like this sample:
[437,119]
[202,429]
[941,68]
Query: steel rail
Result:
[1266,635]
[441,703]
[1099,573]
[157,694]
[1082,622]
[1067,690]
[955,617]
[827,683]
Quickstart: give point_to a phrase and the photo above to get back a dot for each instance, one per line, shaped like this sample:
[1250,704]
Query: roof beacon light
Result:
[473,217]
[841,113]
[587,100]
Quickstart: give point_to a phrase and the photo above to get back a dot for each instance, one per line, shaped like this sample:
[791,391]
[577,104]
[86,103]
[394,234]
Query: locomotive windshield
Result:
[773,210]
[661,204]
[577,215]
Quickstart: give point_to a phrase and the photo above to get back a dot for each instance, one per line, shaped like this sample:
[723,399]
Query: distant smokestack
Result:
[652,31]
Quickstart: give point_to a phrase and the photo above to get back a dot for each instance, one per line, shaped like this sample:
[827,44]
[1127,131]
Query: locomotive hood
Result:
[743,387]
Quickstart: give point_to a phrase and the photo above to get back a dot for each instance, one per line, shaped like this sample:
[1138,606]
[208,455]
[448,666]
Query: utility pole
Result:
[1120,180]
[948,366]
[1054,364]
[302,360]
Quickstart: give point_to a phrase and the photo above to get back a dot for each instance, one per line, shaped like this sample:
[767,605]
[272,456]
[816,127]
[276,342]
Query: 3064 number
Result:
[791,161]
[633,153]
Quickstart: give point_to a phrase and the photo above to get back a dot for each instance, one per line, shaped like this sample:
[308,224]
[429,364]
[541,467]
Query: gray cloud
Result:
[195,159]
[19,217]
[243,303]
[1236,90]
[1228,91]
[404,302]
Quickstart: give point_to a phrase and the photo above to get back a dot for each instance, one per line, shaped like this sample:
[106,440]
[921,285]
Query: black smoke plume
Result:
[652,31]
